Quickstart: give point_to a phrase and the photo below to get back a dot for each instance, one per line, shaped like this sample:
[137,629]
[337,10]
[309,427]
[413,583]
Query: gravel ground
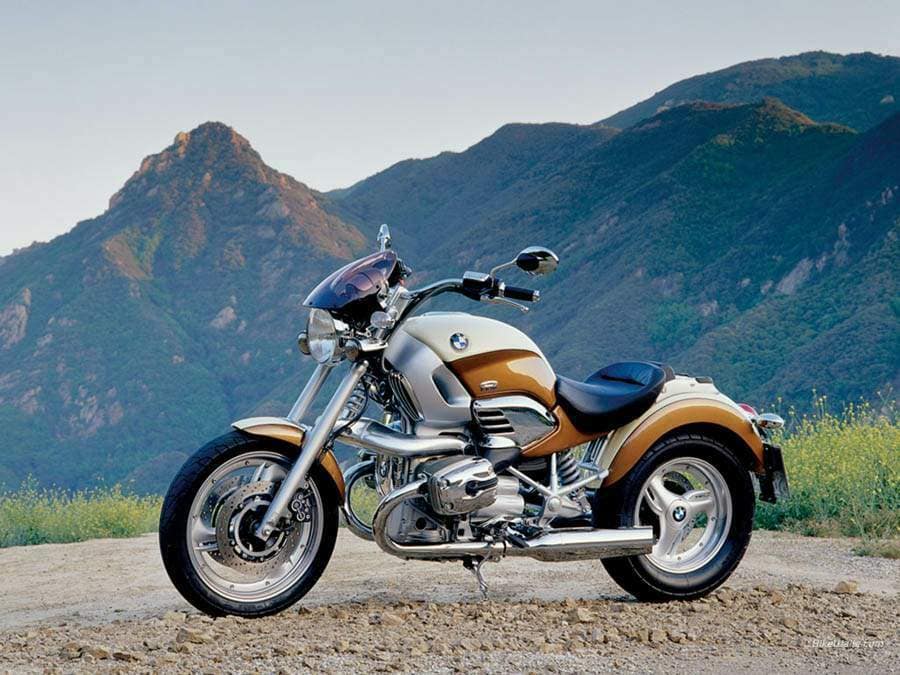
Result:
[795,604]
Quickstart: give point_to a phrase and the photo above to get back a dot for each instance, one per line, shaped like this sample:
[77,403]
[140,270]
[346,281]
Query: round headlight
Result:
[322,335]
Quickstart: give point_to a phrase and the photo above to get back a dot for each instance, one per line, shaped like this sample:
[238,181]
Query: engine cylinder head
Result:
[458,485]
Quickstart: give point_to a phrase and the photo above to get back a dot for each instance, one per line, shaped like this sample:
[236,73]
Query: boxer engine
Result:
[460,493]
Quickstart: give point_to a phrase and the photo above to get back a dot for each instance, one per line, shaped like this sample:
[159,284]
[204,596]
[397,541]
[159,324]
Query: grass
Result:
[32,515]
[844,470]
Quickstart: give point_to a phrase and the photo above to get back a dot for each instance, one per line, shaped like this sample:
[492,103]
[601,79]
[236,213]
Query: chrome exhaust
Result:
[376,437]
[584,544]
[356,472]
[454,550]
[555,546]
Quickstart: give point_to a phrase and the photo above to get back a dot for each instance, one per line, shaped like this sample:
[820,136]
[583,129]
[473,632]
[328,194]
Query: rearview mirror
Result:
[537,260]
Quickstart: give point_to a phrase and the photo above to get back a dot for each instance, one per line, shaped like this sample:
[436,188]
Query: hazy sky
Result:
[331,92]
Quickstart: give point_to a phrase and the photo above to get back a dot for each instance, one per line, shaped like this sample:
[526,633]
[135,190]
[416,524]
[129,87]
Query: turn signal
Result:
[352,349]
[303,342]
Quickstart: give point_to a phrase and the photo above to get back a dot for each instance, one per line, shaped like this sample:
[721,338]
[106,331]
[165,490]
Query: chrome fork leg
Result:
[310,391]
[313,443]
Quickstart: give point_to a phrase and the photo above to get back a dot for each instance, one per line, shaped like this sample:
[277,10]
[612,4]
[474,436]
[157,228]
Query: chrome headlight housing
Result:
[323,336]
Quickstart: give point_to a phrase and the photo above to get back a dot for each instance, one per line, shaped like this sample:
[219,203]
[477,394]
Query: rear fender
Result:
[713,414]
[283,429]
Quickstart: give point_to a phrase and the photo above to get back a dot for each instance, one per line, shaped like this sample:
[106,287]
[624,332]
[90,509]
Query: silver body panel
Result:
[442,401]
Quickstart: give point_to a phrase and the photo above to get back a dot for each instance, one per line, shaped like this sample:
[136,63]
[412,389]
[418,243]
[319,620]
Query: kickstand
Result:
[474,565]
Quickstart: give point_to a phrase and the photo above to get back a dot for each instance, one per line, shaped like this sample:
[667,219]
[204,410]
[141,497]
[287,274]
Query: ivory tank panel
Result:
[478,335]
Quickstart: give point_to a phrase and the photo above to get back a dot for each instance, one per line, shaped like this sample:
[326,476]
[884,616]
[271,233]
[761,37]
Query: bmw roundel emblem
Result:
[459,341]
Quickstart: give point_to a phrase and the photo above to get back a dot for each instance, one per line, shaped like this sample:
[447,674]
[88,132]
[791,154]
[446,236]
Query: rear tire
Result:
[725,526]
[178,550]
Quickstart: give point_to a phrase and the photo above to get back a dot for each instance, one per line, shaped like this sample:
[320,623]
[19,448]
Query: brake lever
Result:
[506,301]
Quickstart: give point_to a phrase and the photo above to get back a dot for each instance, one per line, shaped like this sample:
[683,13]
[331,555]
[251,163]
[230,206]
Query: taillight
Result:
[749,409]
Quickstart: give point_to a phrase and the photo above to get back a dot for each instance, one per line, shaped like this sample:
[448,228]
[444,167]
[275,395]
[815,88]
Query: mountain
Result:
[858,90]
[143,331]
[420,194]
[747,241]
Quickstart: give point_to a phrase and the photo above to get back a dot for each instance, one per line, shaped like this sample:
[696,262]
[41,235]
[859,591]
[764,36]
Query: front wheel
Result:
[208,521]
[699,500]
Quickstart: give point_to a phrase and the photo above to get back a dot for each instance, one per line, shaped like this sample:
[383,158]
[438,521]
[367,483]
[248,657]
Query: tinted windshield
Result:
[360,279]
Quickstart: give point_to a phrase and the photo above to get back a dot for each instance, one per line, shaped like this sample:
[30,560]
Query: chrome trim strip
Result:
[515,402]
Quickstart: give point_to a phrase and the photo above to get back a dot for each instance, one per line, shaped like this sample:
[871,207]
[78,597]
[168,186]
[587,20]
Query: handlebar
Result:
[518,293]
[476,286]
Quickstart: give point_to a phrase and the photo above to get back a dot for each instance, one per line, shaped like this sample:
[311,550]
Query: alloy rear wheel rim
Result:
[689,505]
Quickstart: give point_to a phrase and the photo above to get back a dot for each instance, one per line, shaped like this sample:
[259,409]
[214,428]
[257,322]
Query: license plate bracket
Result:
[773,483]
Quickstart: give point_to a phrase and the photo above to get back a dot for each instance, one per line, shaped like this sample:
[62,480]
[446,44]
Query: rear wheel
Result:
[208,522]
[699,500]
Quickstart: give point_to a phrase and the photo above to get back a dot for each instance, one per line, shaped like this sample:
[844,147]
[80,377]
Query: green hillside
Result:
[730,240]
[859,90]
[746,242]
[131,339]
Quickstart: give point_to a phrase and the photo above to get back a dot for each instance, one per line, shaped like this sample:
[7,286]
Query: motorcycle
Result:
[480,451]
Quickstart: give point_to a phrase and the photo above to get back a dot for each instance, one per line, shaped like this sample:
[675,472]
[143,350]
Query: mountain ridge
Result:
[740,240]
[158,316]
[853,99]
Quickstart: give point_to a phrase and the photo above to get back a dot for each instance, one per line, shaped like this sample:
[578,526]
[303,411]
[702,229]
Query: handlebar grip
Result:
[517,293]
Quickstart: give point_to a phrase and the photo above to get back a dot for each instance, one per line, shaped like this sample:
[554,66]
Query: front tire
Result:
[209,514]
[700,501]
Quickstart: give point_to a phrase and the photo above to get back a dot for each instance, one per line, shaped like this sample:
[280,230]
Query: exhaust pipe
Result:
[559,545]
[584,544]
[376,437]
[357,472]
[447,551]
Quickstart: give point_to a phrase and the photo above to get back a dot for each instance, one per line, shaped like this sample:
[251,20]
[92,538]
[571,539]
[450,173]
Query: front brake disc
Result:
[236,522]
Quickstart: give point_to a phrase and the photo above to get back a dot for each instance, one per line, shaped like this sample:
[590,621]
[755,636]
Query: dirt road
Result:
[107,605]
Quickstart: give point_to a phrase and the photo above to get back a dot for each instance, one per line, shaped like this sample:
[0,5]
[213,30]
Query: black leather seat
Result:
[612,396]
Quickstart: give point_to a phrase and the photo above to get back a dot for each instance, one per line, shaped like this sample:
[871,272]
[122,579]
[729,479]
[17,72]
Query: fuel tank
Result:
[444,360]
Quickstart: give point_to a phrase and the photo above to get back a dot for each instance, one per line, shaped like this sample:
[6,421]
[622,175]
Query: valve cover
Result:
[458,485]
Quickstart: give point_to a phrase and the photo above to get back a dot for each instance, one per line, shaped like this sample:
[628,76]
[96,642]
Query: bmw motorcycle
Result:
[476,449]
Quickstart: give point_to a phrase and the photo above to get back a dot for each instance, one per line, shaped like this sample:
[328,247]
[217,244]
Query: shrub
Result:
[844,471]
[32,515]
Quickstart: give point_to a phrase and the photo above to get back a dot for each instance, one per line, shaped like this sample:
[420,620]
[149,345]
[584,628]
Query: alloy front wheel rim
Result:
[222,550]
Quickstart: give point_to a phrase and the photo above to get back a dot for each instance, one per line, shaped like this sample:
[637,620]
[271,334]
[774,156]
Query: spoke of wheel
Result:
[699,501]
[669,538]
[658,496]
[204,537]
[257,475]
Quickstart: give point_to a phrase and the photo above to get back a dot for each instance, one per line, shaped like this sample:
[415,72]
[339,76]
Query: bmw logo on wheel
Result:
[459,341]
